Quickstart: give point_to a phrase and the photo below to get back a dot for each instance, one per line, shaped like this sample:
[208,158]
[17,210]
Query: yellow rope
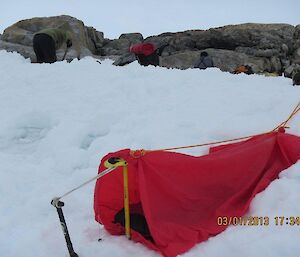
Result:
[141,152]
[205,144]
[294,112]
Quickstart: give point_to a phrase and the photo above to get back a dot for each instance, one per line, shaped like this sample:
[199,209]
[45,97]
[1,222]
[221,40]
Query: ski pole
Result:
[58,205]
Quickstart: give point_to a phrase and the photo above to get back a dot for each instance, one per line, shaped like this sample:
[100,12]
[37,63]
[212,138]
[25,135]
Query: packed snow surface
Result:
[58,120]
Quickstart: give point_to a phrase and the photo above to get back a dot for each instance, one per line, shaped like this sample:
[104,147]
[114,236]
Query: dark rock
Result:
[120,46]
[289,71]
[25,51]
[296,79]
[261,36]
[133,38]
[125,59]
[160,40]
[183,43]
[96,39]
[296,37]
[258,52]
[275,65]
[116,47]
[180,60]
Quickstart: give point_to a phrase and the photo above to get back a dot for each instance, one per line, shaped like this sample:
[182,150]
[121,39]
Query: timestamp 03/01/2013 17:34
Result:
[259,221]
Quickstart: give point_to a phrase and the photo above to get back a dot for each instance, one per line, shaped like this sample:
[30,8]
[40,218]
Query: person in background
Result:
[47,41]
[243,69]
[145,53]
[204,61]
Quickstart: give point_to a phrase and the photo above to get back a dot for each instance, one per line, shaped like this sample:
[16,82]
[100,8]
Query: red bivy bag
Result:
[182,196]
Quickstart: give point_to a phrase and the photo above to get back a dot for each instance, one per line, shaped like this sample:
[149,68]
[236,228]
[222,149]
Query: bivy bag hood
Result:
[181,197]
[143,48]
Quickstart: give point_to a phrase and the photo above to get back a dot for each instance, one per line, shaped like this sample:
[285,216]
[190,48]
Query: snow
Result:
[154,17]
[58,120]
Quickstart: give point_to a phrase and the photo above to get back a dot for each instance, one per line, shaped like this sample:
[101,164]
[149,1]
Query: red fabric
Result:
[142,48]
[183,195]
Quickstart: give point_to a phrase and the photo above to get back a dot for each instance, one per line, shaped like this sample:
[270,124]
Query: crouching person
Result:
[145,53]
[205,61]
[47,41]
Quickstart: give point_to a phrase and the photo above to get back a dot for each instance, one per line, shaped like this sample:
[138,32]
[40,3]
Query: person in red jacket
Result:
[145,53]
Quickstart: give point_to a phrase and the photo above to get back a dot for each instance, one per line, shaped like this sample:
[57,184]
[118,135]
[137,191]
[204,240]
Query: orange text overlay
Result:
[259,221]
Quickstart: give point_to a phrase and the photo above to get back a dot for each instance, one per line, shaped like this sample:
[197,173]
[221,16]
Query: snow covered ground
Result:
[58,120]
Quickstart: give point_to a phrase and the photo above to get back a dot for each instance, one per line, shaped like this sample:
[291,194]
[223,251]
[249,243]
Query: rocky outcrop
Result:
[250,35]
[26,51]
[124,59]
[18,37]
[265,47]
[271,48]
[121,45]
[225,60]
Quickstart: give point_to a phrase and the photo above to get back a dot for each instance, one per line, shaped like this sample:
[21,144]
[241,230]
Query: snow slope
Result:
[58,120]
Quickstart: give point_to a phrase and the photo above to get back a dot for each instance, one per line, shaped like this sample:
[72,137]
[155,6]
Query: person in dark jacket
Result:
[204,61]
[47,41]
